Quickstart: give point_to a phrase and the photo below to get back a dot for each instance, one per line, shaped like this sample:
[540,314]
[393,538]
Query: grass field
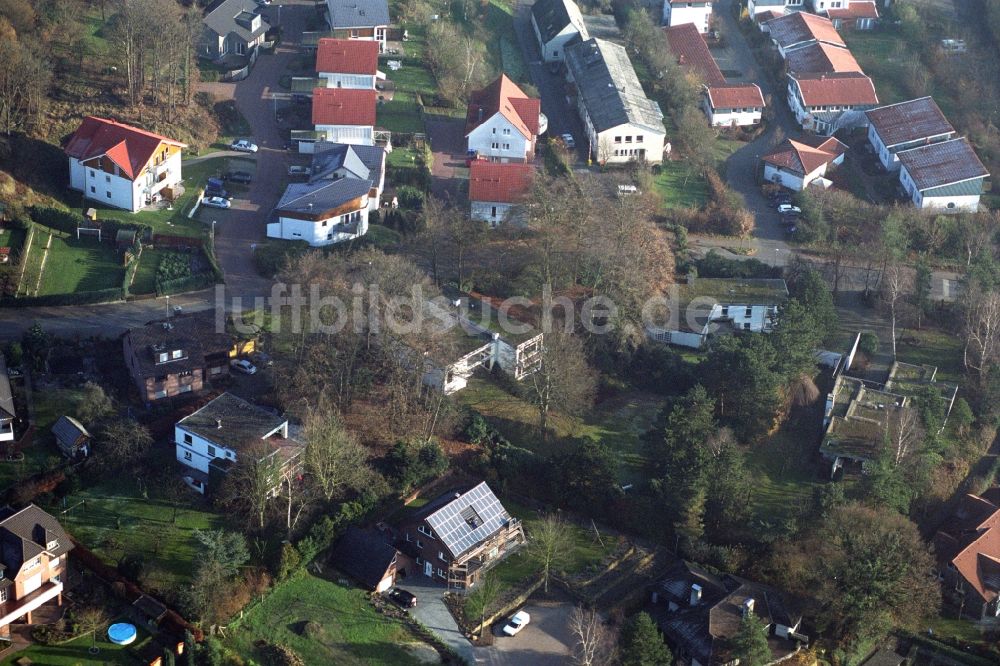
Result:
[33,264]
[12,238]
[116,518]
[681,187]
[932,347]
[352,632]
[784,474]
[401,114]
[402,157]
[75,265]
[77,651]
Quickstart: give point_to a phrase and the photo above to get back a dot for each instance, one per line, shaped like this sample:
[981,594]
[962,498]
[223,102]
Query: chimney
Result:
[695,594]
[748,606]
[218,424]
[480,114]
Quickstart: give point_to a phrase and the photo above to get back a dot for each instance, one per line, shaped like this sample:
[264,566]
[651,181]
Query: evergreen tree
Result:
[740,371]
[749,645]
[726,507]
[642,644]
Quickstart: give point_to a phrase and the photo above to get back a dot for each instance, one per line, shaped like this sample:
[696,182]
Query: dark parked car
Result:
[239,177]
[301,98]
[215,187]
[403,598]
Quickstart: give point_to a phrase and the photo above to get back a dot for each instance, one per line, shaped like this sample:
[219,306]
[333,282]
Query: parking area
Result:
[433,614]
[546,641]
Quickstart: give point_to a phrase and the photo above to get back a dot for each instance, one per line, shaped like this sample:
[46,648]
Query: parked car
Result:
[628,189]
[216,202]
[239,177]
[264,2]
[517,622]
[568,140]
[403,598]
[789,208]
[243,146]
[295,170]
[243,365]
[302,98]
[215,187]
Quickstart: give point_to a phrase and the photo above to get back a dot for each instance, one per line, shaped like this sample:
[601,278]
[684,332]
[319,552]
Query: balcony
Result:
[17,608]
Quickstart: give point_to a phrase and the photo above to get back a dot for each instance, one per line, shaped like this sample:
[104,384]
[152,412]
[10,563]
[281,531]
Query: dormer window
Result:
[52,545]
[162,357]
[175,354]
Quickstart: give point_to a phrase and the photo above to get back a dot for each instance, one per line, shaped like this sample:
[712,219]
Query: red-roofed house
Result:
[968,554]
[120,165]
[796,163]
[824,103]
[848,15]
[495,189]
[503,123]
[347,63]
[345,115]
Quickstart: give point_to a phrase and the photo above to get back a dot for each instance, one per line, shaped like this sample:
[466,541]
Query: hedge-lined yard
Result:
[79,265]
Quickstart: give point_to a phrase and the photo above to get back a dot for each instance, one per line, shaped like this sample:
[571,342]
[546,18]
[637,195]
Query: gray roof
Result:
[231,422]
[357,13]
[69,431]
[468,519]
[365,555]
[223,19]
[909,121]
[6,397]
[321,195]
[552,16]
[194,334]
[942,163]
[364,162]
[25,534]
[609,87]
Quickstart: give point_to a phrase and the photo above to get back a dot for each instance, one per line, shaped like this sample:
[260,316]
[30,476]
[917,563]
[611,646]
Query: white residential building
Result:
[366,20]
[946,176]
[557,23]
[345,115]
[755,7]
[347,63]
[825,103]
[497,190]
[503,123]
[896,127]
[122,166]
[679,12]
[797,163]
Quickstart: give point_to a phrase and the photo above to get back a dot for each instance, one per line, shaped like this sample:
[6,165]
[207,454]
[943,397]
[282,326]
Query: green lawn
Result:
[784,474]
[145,275]
[33,264]
[403,158]
[681,187]
[77,651]
[401,114]
[48,406]
[115,519]
[351,631]
[12,238]
[931,347]
[74,266]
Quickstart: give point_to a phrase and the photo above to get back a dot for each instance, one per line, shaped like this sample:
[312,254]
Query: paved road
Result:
[546,641]
[433,614]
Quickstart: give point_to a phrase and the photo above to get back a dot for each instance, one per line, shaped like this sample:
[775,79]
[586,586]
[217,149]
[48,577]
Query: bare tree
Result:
[90,620]
[24,82]
[903,432]
[895,285]
[334,459]
[549,544]
[563,381]
[253,481]
[123,442]
[982,328]
[595,641]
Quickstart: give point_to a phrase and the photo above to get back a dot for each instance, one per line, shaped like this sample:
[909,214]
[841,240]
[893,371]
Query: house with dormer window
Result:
[503,123]
[232,27]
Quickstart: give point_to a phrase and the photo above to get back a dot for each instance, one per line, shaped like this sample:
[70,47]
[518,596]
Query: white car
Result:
[216,202]
[568,140]
[789,208]
[627,189]
[516,623]
[243,365]
[243,146]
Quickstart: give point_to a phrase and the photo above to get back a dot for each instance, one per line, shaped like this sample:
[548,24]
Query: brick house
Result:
[459,536]
[176,356]
[33,551]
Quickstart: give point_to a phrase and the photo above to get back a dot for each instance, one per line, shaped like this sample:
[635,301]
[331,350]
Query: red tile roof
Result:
[978,564]
[504,97]
[347,56]
[912,120]
[690,49]
[821,58]
[839,89]
[799,27]
[493,181]
[856,10]
[805,155]
[735,95]
[343,106]
[128,147]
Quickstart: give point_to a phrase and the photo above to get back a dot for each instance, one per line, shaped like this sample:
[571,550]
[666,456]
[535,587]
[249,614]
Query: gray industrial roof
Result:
[942,163]
[468,519]
[909,121]
[552,16]
[609,86]
[222,19]
[358,13]
[231,422]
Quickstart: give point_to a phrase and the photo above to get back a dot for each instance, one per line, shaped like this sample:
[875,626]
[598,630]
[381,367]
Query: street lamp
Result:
[168,306]
[279,14]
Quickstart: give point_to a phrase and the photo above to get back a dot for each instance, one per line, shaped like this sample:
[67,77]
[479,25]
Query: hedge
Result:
[180,285]
[68,221]
[79,298]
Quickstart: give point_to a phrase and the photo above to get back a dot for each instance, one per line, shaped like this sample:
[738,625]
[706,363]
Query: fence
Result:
[243,72]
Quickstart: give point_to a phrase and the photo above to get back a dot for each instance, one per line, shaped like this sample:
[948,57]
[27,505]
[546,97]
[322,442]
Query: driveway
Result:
[433,614]
[546,641]
[447,137]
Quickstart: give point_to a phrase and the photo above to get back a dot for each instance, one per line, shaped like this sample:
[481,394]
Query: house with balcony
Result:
[232,27]
[946,176]
[366,20]
[796,163]
[458,537]
[825,103]
[344,115]
[7,413]
[122,166]
[496,191]
[705,307]
[34,549]
[347,63]
[621,124]
[345,186]
[210,441]
[557,24]
[904,125]
[681,12]
[847,14]
[176,356]
[502,123]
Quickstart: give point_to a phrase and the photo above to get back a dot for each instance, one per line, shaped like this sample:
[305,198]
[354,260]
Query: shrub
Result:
[288,561]
[868,344]
[410,197]
[173,266]
[280,655]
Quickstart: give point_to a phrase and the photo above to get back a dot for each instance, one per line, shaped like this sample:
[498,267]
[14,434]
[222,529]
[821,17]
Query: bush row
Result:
[181,285]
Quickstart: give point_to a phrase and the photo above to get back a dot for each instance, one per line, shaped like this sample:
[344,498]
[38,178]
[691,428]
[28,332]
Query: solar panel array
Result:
[453,529]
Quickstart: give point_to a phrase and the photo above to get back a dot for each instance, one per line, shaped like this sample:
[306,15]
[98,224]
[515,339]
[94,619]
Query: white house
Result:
[679,12]
[733,105]
[367,20]
[557,23]
[347,63]
[7,413]
[708,306]
[906,125]
[848,15]
[122,166]
[210,441]
[796,163]
[824,103]
[947,175]
[232,27]
[345,115]
[496,189]
[757,7]
[503,123]
[620,122]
